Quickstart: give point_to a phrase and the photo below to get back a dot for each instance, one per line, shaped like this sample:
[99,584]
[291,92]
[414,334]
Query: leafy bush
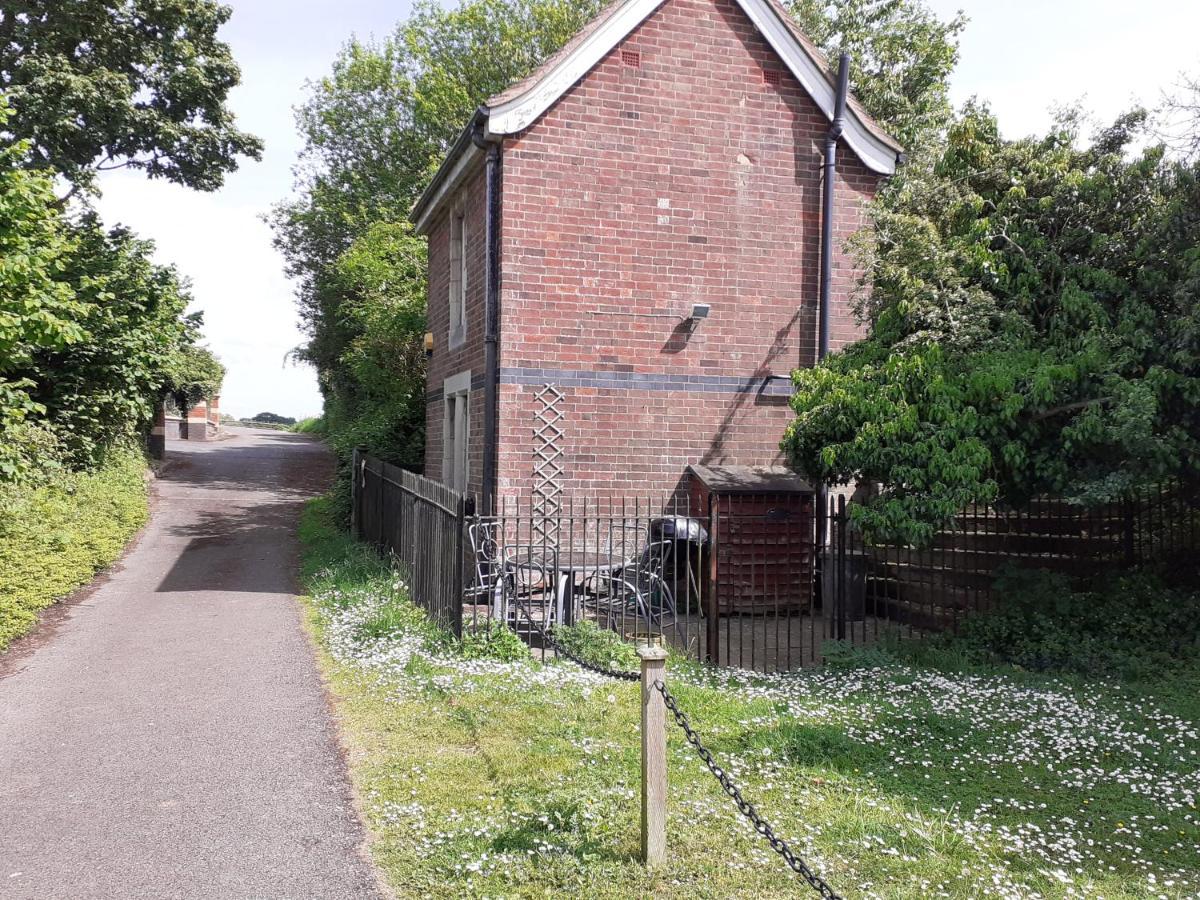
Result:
[493,641]
[596,645]
[56,534]
[1132,626]
[310,425]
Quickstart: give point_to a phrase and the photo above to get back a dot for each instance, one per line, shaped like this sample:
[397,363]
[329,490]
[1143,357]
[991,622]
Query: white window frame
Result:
[458,258]
[456,431]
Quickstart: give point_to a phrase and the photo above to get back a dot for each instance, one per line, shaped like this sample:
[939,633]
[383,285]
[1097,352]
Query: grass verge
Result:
[482,777]
[310,425]
[55,536]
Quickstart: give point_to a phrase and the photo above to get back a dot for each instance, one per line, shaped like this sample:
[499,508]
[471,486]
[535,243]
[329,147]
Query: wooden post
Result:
[356,494]
[654,757]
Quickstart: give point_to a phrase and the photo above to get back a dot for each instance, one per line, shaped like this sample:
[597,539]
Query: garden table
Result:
[568,566]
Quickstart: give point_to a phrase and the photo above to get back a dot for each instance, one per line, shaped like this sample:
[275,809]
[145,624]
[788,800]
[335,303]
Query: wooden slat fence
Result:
[422,524]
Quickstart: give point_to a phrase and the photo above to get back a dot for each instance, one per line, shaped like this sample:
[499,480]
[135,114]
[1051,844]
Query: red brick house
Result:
[638,224]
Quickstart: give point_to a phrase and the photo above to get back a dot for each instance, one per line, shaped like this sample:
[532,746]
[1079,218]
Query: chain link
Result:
[761,825]
[795,863]
[582,663]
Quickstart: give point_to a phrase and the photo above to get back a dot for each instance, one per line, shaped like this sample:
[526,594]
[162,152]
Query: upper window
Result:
[458,276]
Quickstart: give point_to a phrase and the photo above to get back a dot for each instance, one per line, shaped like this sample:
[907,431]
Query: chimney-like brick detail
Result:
[197,422]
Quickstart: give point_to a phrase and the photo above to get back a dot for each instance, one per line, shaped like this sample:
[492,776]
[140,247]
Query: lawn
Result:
[483,778]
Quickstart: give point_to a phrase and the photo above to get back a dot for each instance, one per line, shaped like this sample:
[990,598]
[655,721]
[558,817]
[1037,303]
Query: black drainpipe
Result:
[491,318]
[828,176]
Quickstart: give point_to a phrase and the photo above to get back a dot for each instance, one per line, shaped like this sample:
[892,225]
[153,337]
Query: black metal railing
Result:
[758,581]
[632,565]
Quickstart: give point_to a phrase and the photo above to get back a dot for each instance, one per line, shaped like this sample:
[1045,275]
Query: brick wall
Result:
[687,178]
[446,362]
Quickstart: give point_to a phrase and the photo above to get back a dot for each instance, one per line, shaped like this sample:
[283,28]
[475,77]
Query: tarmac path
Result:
[166,732]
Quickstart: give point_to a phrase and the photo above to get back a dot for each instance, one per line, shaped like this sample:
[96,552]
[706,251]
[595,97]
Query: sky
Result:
[1023,56]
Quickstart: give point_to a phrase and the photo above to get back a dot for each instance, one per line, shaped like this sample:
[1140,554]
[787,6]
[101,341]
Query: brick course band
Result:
[771,385]
[768,386]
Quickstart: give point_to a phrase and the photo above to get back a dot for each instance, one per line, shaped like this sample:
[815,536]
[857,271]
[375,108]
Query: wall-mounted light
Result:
[699,311]
[429,343]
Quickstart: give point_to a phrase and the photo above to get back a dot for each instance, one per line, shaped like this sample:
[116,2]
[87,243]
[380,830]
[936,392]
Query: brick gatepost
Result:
[214,414]
[157,442]
[196,428]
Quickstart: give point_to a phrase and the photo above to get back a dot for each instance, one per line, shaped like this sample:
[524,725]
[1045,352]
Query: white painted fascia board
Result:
[876,154]
[470,156]
[522,111]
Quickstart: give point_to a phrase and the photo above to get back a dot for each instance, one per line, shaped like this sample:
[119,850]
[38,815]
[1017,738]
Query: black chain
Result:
[795,863]
[761,825]
[582,663]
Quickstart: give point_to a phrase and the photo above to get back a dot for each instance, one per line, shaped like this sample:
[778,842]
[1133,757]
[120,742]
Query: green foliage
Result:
[38,311]
[270,418]
[1133,626]
[104,84]
[311,425]
[375,130]
[1034,330]
[492,640]
[103,389]
[92,332]
[901,57]
[599,646]
[56,534]
[194,374]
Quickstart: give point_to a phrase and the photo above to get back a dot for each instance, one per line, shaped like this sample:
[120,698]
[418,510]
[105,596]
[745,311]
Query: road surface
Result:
[166,734]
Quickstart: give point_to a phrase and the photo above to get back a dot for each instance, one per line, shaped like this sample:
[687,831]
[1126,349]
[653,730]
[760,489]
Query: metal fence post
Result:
[465,509]
[654,756]
[712,598]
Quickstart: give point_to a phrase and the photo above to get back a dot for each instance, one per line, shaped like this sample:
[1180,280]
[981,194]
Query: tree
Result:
[38,311]
[375,130]
[270,418]
[104,84]
[901,58]
[105,386]
[1034,328]
[194,373]
[1179,118]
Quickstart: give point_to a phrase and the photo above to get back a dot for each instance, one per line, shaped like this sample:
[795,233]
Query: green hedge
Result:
[55,536]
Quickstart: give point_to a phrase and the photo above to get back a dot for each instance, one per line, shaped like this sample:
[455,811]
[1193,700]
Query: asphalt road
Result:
[166,733]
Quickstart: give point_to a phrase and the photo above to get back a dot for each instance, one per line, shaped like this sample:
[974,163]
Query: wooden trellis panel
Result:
[548,435]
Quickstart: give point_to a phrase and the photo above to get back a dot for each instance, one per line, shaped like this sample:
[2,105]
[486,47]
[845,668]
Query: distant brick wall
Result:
[687,178]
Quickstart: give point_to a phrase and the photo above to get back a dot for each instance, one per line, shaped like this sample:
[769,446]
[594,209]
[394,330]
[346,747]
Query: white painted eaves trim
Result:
[522,111]
[875,154]
[450,183]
